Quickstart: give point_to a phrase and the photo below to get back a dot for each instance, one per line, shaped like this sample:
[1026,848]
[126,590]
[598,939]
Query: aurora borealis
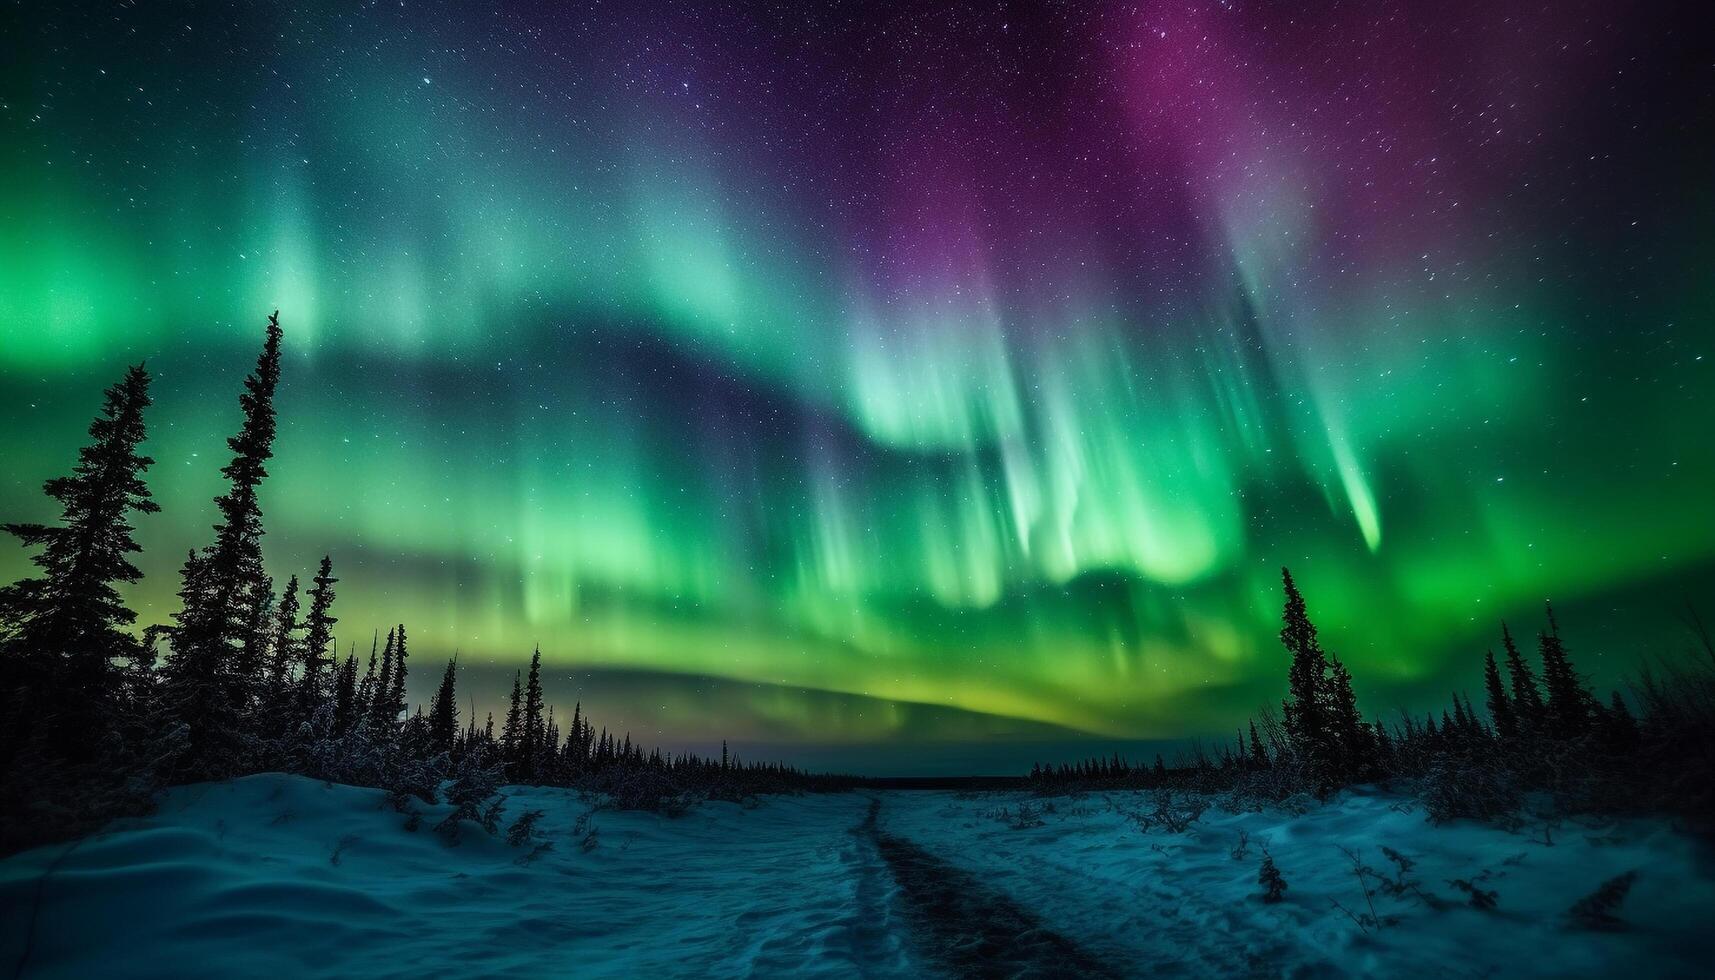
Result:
[864,374]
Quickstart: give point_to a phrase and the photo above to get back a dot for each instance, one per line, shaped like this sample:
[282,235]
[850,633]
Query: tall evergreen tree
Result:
[1622,728]
[252,662]
[1259,754]
[286,628]
[1500,707]
[512,733]
[318,633]
[1384,744]
[1305,710]
[396,704]
[1356,758]
[1527,699]
[381,692]
[444,712]
[1461,724]
[1569,701]
[345,695]
[534,723]
[205,687]
[64,631]
[576,748]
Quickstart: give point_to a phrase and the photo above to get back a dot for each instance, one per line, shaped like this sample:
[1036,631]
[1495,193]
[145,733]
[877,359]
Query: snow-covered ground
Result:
[284,876]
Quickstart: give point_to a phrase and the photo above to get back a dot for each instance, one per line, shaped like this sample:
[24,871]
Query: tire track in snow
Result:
[968,928]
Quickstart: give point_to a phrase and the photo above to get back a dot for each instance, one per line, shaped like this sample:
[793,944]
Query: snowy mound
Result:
[285,876]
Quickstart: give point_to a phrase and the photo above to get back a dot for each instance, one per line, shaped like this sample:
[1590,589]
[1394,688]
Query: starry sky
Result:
[866,382]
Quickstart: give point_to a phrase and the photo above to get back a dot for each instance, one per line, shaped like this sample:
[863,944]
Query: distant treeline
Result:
[95,718]
[1543,731]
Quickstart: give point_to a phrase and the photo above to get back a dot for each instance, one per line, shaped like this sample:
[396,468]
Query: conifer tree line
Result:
[95,717]
[1541,729]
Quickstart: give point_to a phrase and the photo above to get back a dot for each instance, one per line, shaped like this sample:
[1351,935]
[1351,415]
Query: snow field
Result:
[284,876]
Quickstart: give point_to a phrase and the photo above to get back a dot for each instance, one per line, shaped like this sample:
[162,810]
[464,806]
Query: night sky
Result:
[886,379]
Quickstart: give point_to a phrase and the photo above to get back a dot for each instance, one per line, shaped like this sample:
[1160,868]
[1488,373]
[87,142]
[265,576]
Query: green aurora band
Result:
[777,396]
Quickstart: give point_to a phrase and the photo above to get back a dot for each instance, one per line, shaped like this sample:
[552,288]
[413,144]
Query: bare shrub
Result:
[1470,787]
[1172,812]
[1242,849]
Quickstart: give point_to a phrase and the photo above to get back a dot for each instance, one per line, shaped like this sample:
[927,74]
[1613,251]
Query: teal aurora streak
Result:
[810,375]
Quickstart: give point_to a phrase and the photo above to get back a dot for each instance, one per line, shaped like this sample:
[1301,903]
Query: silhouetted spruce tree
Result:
[444,712]
[1622,728]
[63,633]
[1305,710]
[414,735]
[345,696]
[1474,723]
[1568,705]
[252,663]
[365,700]
[286,628]
[512,733]
[1356,749]
[1527,699]
[530,749]
[1384,746]
[547,753]
[1461,721]
[1500,707]
[1259,752]
[396,704]
[382,717]
[318,633]
[205,688]
[576,749]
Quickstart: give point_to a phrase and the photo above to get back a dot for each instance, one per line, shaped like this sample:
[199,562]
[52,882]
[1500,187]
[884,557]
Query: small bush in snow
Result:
[1475,787]
[1269,877]
[1596,910]
[1174,813]
[524,828]
[1369,879]
[584,831]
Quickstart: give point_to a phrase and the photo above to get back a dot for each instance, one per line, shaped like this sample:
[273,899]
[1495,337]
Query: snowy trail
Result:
[967,928]
[1164,904]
